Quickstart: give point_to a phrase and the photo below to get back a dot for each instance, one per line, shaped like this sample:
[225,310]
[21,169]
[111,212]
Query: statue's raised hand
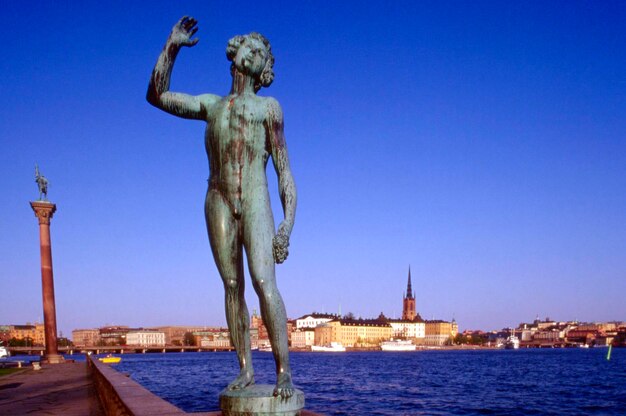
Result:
[183,31]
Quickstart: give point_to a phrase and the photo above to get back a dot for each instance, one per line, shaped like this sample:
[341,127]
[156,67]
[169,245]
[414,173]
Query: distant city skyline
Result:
[481,143]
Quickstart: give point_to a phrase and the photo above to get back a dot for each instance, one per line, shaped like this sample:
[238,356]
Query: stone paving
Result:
[60,389]
[65,389]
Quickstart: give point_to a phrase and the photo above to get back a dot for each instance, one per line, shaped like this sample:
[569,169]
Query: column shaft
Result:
[44,211]
[47,289]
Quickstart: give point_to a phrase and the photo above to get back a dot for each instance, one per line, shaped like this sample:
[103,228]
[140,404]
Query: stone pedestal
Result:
[52,358]
[259,400]
[44,211]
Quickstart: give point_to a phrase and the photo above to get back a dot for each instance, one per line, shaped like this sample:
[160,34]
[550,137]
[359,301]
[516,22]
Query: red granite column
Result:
[44,211]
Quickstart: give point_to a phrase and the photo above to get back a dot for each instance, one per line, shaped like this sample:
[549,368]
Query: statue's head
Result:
[252,54]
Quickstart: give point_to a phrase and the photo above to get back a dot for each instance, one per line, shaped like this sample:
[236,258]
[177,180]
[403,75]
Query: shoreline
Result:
[9,361]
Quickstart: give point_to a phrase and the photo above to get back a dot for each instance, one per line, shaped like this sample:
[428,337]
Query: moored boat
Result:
[332,347]
[3,352]
[110,359]
[512,343]
[398,345]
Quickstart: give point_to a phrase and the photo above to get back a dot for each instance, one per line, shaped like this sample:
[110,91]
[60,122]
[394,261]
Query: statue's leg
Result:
[258,232]
[227,249]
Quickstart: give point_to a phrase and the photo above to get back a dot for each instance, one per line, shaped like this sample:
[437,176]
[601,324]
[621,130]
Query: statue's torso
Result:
[236,144]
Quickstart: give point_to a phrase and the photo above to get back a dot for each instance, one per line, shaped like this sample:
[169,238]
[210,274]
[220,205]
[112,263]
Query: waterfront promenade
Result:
[61,389]
[71,389]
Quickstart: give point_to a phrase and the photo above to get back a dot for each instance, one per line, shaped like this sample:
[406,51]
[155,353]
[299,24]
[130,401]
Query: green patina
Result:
[243,131]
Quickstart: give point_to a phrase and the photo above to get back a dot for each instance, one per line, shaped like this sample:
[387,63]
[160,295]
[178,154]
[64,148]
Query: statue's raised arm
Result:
[159,95]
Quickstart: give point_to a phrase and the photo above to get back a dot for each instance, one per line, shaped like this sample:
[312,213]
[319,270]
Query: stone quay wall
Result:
[121,396]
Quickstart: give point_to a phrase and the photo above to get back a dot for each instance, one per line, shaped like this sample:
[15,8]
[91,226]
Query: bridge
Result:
[115,349]
[550,344]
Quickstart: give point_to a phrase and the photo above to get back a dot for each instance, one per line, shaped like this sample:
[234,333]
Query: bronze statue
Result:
[42,183]
[243,130]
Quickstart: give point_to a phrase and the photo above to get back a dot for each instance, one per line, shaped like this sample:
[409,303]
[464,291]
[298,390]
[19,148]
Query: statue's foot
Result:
[245,379]
[284,386]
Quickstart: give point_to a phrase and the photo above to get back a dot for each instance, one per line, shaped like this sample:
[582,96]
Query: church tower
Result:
[408,303]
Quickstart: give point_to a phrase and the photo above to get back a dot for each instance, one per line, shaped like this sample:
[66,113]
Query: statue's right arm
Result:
[159,95]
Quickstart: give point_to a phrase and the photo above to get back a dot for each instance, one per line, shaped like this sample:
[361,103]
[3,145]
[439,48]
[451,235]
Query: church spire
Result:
[408,303]
[409,289]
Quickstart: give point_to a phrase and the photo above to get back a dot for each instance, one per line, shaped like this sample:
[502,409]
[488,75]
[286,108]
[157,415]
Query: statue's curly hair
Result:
[267,76]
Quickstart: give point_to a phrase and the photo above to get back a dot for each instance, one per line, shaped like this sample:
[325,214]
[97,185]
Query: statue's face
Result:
[251,57]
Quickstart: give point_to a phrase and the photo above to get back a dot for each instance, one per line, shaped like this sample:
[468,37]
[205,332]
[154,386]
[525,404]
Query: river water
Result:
[500,382]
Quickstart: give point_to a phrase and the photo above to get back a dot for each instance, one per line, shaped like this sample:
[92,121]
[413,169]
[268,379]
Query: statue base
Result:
[52,359]
[259,400]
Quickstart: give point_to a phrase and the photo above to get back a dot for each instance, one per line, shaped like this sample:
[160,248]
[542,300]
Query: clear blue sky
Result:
[482,143]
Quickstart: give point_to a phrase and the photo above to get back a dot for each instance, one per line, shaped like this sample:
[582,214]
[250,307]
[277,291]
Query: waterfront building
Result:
[550,336]
[219,338]
[581,336]
[86,337]
[604,340]
[314,319]
[526,335]
[412,329]
[475,337]
[113,335]
[303,338]
[217,341]
[354,332]
[32,333]
[440,332]
[175,335]
[145,338]
[599,326]
[593,334]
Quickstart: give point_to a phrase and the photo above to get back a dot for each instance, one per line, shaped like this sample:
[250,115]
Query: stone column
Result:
[44,211]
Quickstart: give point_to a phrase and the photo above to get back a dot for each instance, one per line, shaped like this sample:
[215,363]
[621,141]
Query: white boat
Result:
[265,348]
[512,343]
[3,352]
[397,345]
[332,347]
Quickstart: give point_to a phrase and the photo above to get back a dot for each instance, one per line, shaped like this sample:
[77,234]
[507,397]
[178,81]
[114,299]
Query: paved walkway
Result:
[60,389]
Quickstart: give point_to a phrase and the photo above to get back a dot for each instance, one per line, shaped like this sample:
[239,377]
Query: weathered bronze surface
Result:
[243,130]
[42,184]
[257,400]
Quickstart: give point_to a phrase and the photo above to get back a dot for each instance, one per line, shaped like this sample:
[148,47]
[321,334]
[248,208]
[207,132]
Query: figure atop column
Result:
[42,183]
[44,210]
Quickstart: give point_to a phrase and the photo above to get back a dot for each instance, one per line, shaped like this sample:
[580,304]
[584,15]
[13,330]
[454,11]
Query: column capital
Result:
[43,211]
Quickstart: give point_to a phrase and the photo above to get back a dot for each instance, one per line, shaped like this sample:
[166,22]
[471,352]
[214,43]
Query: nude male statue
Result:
[243,131]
